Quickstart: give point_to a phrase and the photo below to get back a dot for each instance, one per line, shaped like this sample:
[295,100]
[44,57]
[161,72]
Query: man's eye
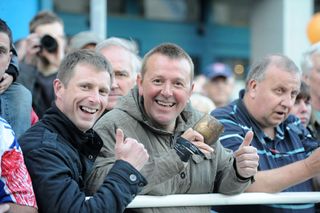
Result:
[84,86]
[104,92]
[121,74]
[157,81]
[279,91]
[179,84]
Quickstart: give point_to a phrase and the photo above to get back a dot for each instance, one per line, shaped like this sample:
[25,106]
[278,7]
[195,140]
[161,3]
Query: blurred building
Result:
[232,31]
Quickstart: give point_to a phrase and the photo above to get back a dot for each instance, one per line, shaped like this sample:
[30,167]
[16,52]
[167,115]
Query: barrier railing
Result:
[145,201]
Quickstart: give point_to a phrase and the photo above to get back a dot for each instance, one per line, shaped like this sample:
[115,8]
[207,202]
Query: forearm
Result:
[15,208]
[119,188]
[279,179]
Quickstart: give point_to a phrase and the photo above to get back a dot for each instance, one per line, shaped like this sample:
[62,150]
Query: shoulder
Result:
[230,115]
[115,117]
[229,111]
[37,137]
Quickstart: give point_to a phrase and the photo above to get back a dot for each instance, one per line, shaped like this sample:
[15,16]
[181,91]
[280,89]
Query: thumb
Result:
[119,136]
[247,139]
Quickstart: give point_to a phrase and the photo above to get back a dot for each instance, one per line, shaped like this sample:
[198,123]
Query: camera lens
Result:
[49,43]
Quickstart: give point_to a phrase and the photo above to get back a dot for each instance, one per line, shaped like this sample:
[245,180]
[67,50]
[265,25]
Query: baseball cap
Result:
[82,39]
[217,70]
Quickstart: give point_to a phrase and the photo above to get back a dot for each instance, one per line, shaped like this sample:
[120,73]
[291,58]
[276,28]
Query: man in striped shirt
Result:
[289,157]
[15,183]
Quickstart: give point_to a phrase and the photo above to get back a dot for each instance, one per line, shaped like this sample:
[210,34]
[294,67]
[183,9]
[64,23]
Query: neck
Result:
[47,70]
[270,132]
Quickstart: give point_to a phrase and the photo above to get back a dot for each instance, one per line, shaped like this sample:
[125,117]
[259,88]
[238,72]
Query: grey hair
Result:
[307,62]
[129,46]
[84,56]
[258,70]
[170,50]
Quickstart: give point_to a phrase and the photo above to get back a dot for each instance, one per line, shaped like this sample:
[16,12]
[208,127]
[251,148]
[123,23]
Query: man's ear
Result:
[139,84]
[57,86]
[252,88]
[191,89]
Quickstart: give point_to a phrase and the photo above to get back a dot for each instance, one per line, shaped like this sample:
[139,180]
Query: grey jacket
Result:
[165,172]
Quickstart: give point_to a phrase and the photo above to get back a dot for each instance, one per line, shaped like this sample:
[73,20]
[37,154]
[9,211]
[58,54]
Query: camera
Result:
[48,43]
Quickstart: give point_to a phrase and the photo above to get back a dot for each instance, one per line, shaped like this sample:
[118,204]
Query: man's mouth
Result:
[88,109]
[165,104]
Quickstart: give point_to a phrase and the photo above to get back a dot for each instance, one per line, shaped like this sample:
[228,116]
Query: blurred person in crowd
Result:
[45,50]
[201,103]
[126,64]
[311,73]
[288,156]
[158,114]
[199,84]
[60,148]
[84,40]
[15,183]
[15,99]
[302,105]
[220,83]
[21,48]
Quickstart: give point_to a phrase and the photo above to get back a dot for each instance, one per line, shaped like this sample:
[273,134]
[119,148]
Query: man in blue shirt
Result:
[289,157]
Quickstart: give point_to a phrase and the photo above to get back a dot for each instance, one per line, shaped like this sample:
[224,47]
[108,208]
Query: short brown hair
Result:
[82,56]
[42,18]
[304,92]
[170,50]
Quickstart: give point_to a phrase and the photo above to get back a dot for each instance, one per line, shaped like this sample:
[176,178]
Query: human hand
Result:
[197,139]
[32,47]
[247,159]
[4,208]
[5,82]
[130,150]
[33,44]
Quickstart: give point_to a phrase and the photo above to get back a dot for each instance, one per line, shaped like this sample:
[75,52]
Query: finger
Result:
[119,136]
[188,134]
[247,139]
[203,147]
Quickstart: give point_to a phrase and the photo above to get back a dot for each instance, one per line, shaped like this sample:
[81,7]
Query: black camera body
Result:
[48,43]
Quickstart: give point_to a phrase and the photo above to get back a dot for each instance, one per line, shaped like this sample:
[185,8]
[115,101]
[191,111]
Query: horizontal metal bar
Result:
[145,201]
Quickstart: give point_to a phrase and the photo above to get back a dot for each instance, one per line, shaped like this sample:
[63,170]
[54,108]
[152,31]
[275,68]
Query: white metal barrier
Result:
[144,201]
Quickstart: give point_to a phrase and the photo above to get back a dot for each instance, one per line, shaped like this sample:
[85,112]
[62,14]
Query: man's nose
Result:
[288,101]
[166,90]
[303,106]
[114,83]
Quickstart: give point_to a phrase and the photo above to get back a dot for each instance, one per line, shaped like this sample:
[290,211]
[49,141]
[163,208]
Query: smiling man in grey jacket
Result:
[157,114]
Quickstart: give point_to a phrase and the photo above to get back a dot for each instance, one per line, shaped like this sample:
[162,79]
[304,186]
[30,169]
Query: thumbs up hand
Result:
[130,150]
[246,157]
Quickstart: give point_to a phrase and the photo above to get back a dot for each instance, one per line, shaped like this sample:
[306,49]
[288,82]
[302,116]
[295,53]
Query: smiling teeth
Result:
[89,109]
[165,104]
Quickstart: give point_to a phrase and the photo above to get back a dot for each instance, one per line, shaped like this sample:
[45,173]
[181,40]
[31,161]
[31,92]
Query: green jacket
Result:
[314,125]
[165,172]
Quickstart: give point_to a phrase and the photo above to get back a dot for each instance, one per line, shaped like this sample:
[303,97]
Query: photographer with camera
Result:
[45,51]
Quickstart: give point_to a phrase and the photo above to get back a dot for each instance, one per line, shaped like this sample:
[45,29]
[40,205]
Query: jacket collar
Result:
[88,143]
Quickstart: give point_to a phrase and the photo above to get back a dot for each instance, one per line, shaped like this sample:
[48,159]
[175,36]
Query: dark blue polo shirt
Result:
[291,143]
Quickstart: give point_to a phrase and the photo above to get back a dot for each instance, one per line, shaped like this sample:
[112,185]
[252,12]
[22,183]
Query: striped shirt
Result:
[292,143]
[15,182]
